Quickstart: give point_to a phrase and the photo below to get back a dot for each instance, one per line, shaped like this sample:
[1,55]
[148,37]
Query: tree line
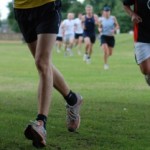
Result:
[78,7]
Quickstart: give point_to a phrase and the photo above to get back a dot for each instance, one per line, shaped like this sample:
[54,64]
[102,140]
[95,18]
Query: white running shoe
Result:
[84,57]
[35,131]
[69,51]
[73,116]
[106,67]
[88,60]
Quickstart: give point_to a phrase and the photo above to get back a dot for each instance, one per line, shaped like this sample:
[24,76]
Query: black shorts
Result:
[77,35]
[59,39]
[38,20]
[91,36]
[110,40]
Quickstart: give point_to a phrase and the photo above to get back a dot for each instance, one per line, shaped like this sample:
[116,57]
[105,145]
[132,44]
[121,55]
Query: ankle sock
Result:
[71,98]
[42,118]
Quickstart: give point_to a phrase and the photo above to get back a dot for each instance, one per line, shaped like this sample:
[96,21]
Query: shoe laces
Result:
[38,124]
[72,112]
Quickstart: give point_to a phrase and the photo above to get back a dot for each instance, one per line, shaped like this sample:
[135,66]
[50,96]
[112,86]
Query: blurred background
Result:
[8,24]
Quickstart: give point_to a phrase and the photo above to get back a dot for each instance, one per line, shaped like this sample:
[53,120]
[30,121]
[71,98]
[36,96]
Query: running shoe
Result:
[84,57]
[36,132]
[88,60]
[106,67]
[73,116]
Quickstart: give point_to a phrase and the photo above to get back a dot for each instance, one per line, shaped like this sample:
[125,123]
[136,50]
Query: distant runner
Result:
[109,26]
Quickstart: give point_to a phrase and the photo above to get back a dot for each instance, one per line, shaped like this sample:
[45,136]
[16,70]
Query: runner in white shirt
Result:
[79,32]
[69,27]
[59,39]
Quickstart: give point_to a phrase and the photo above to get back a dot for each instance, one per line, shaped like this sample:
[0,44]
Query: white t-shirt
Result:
[78,26]
[60,32]
[68,26]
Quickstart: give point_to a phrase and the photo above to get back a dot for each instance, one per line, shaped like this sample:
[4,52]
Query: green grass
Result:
[116,109]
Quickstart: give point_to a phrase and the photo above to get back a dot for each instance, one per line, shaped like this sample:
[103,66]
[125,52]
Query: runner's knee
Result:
[42,65]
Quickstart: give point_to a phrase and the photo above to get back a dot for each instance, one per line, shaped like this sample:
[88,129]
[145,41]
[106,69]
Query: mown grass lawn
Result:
[116,110]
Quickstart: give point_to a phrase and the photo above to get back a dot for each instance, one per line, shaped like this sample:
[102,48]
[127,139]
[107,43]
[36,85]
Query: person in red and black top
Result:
[140,16]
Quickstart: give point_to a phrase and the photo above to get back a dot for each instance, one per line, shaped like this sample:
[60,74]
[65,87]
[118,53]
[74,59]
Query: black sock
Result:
[71,98]
[43,118]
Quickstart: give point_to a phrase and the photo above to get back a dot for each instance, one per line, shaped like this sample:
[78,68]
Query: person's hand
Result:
[135,18]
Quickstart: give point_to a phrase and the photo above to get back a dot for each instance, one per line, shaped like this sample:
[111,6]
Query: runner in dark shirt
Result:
[90,20]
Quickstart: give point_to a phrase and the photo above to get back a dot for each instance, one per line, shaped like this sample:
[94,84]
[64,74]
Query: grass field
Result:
[116,110]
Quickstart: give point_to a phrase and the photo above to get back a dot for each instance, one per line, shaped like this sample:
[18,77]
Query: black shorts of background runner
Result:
[38,20]
[77,35]
[91,36]
[59,39]
[109,40]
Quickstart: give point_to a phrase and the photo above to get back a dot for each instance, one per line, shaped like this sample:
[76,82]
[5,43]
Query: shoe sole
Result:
[31,134]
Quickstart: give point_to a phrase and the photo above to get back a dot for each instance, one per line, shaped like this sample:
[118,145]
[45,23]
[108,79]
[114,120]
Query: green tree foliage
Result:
[71,6]
[11,19]
[77,7]
[124,20]
[0,20]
